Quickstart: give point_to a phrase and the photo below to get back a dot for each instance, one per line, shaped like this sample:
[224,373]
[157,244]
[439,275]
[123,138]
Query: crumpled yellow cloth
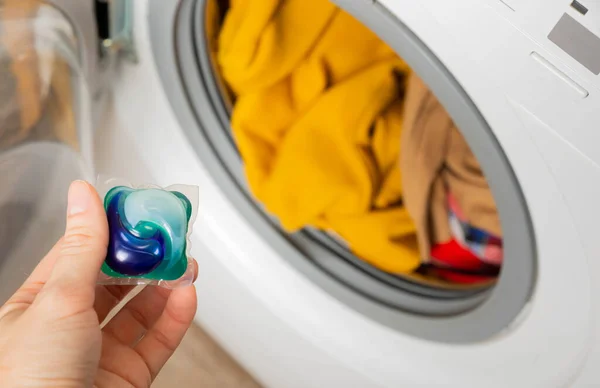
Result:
[317,120]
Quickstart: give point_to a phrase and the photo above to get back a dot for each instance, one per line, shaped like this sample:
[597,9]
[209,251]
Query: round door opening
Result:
[348,145]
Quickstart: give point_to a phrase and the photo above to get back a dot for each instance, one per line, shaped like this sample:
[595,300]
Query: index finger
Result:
[161,341]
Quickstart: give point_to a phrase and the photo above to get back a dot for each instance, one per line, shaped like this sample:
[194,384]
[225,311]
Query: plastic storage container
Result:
[45,134]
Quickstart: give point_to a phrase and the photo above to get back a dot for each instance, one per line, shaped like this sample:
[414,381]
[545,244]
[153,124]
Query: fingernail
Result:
[79,197]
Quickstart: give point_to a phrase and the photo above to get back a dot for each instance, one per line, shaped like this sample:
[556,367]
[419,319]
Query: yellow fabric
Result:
[317,120]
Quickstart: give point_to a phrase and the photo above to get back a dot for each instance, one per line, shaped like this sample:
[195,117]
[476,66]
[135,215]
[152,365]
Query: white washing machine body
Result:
[540,96]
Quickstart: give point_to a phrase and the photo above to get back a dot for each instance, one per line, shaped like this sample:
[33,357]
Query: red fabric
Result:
[456,264]
[452,255]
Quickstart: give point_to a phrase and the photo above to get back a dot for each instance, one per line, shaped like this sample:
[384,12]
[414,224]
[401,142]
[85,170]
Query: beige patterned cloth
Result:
[435,159]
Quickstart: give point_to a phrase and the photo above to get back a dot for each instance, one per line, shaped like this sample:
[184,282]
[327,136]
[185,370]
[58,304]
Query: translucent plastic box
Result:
[45,135]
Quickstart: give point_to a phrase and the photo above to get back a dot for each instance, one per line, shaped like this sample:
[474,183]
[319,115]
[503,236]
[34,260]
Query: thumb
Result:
[83,247]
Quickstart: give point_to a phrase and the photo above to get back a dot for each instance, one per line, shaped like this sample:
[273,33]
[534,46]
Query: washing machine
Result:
[520,78]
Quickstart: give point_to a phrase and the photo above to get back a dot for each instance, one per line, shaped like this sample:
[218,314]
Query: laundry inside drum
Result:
[341,140]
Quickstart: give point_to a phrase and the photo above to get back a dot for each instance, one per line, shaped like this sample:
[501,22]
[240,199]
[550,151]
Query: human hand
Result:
[50,331]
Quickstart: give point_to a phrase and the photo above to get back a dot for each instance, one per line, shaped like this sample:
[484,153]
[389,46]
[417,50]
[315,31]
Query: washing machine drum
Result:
[398,301]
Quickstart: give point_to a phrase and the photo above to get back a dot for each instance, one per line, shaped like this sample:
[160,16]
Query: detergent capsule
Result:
[149,229]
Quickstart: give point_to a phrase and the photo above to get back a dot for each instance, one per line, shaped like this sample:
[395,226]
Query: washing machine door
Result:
[48,82]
